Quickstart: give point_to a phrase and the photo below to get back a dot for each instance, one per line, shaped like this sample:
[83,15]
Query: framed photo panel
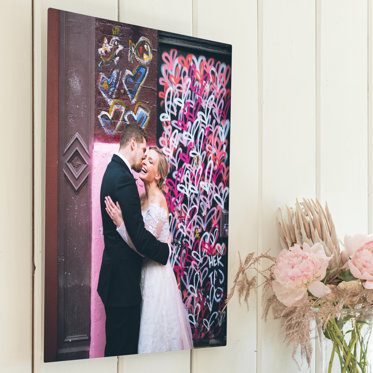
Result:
[141,116]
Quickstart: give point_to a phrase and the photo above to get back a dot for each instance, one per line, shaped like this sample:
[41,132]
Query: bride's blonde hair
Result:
[162,167]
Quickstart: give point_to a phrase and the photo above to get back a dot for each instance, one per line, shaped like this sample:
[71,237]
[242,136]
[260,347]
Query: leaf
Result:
[347,276]
[326,334]
[342,321]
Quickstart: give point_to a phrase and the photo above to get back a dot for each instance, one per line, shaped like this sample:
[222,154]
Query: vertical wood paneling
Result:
[98,8]
[16,189]
[174,16]
[166,15]
[343,113]
[370,122]
[235,23]
[288,138]
[285,136]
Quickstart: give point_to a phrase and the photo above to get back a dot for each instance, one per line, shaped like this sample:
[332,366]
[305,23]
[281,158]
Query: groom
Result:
[119,281]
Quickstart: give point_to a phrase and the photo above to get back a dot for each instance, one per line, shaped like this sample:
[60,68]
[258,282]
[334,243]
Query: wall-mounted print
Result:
[137,187]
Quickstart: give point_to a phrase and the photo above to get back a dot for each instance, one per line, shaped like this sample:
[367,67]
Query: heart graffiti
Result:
[108,86]
[140,115]
[112,121]
[194,112]
[133,81]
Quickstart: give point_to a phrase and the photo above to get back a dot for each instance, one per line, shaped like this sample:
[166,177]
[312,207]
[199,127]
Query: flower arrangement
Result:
[312,279]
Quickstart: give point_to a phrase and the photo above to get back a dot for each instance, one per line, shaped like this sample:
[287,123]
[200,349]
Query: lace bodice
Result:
[156,222]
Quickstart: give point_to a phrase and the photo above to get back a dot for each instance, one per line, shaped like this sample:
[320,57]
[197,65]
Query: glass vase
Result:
[344,343]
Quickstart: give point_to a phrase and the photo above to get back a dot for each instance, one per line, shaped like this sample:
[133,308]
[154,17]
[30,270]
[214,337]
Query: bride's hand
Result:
[114,211]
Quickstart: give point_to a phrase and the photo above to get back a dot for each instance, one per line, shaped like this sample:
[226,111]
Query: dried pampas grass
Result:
[244,282]
[296,325]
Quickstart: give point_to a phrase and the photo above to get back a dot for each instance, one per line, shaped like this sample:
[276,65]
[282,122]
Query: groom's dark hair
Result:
[132,130]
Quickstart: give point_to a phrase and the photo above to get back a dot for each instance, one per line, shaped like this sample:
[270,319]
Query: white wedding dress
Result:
[164,324]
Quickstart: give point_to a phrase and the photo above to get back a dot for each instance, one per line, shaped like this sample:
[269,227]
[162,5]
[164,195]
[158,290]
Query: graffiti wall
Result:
[182,98]
[194,125]
[126,75]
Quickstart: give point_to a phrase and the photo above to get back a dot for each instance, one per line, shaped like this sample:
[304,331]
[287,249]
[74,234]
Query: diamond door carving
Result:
[76,157]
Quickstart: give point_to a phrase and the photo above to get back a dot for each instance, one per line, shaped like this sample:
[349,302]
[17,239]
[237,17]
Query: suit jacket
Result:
[119,281]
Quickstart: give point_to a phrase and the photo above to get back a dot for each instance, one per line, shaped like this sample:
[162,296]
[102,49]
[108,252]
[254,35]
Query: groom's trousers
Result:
[122,330]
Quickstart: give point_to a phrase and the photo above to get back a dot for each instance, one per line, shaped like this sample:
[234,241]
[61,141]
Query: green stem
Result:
[339,337]
[336,342]
[331,359]
[355,355]
[351,346]
[363,348]
[352,354]
[346,357]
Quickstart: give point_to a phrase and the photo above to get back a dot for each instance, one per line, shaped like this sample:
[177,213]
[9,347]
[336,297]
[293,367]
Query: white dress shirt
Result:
[125,160]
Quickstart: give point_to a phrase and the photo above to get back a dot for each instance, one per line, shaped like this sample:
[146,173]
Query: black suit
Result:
[119,281]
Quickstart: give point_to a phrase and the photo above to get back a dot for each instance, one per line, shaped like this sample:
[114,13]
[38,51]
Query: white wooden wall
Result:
[301,127]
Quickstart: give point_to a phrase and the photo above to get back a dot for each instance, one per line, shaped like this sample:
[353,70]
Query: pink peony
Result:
[352,243]
[361,264]
[297,271]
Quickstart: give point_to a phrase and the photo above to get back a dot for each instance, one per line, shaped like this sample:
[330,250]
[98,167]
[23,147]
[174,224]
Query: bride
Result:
[164,324]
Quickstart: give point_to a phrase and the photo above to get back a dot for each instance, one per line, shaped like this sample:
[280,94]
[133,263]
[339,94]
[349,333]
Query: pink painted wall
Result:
[102,154]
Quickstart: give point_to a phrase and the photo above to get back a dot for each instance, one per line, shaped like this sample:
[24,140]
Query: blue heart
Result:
[133,81]
[107,120]
[106,123]
[111,84]
[141,115]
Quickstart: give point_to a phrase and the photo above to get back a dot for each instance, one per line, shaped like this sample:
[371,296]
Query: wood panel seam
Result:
[318,95]
[317,124]
[369,115]
[194,18]
[33,194]
[260,171]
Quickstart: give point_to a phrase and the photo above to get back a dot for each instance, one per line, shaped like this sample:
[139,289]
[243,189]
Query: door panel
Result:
[76,125]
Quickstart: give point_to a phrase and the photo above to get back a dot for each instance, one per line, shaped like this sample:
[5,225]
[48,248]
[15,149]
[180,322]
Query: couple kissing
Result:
[137,285]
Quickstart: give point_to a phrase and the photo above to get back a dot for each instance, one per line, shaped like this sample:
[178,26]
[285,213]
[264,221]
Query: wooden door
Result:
[76,125]
[71,129]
